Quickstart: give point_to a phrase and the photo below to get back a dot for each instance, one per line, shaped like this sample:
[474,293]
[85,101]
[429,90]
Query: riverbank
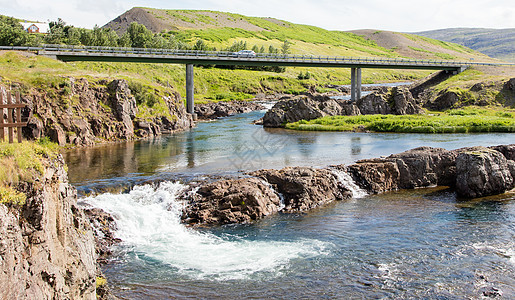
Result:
[467,120]
[47,247]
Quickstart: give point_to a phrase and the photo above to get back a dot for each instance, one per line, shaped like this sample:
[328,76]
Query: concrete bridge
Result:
[190,58]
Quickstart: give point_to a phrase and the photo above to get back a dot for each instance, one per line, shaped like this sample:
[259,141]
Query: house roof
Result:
[43,27]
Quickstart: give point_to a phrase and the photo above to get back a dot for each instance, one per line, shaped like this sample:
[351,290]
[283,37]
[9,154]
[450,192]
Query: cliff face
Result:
[82,113]
[47,249]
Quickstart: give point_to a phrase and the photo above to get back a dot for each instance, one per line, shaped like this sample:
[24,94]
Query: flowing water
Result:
[409,244]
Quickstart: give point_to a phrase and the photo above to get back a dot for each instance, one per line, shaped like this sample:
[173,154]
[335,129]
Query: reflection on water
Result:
[232,144]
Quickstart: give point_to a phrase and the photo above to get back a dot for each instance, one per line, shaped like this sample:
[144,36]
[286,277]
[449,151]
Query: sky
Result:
[397,15]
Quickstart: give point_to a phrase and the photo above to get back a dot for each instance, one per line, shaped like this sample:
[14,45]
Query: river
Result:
[409,244]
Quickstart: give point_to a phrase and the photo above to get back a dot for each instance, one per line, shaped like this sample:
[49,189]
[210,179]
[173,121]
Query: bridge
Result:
[190,58]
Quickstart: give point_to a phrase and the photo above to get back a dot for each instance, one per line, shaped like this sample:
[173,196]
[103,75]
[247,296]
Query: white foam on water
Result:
[148,221]
[349,183]
[508,251]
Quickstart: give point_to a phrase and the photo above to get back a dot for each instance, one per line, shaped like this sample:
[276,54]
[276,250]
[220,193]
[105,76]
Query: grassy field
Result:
[465,120]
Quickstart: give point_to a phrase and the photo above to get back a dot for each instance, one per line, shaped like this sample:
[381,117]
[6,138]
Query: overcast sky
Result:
[397,15]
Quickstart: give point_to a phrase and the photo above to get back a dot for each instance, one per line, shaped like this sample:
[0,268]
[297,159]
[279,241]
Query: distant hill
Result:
[498,43]
[220,30]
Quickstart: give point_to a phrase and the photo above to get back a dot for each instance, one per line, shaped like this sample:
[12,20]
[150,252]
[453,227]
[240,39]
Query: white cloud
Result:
[401,15]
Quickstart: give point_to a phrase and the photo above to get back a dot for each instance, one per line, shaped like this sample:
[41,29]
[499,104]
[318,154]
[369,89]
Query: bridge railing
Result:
[233,55]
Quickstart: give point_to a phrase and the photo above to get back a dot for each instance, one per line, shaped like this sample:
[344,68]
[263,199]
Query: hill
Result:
[498,43]
[220,30]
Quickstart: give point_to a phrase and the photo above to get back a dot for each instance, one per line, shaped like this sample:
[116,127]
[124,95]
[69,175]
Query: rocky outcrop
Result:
[445,100]
[312,106]
[82,113]
[104,227]
[249,199]
[475,172]
[123,105]
[304,188]
[483,172]
[215,110]
[416,168]
[47,248]
[231,201]
[305,108]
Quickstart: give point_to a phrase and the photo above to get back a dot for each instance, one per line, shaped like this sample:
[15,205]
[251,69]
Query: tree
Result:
[11,32]
[285,48]
[140,36]
[200,45]
[125,41]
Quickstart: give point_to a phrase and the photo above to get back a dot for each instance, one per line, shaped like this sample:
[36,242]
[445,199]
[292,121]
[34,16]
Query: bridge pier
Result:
[355,84]
[190,102]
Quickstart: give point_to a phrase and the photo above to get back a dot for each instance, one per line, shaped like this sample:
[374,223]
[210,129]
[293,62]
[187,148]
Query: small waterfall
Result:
[349,183]
[149,224]
[282,204]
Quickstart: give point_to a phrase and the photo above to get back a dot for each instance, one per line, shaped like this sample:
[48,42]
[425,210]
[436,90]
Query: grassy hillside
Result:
[210,84]
[498,43]
[220,30]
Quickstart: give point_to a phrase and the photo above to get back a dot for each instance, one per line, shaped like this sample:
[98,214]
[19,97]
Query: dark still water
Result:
[409,244]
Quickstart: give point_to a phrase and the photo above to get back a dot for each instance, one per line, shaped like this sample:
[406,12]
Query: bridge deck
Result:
[84,53]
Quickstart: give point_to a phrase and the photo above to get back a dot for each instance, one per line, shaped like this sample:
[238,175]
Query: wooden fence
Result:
[13,107]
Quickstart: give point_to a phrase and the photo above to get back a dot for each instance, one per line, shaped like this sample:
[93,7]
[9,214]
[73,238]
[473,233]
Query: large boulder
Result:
[304,188]
[483,172]
[231,201]
[445,100]
[374,103]
[404,103]
[293,110]
[415,168]
[215,110]
[396,101]
[375,175]
[507,150]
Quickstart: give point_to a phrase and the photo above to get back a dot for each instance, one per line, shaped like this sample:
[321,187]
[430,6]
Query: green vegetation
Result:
[207,31]
[151,80]
[22,163]
[454,121]
[100,281]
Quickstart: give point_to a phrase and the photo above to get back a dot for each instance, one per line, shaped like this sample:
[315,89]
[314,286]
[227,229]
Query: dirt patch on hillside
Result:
[417,49]
[158,20]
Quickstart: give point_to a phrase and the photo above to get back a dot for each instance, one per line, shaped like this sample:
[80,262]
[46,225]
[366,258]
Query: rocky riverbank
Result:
[47,247]
[215,110]
[396,101]
[82,112]
[472,172]
[311,106]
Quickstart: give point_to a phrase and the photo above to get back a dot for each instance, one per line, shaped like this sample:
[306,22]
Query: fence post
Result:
[18,115]
[10,130]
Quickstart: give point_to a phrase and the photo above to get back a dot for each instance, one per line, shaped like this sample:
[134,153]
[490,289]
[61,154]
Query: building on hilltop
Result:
[35,27]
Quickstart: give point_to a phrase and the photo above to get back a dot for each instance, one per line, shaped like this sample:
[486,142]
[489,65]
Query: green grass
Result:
[22,162]
[153,80]
[454,121]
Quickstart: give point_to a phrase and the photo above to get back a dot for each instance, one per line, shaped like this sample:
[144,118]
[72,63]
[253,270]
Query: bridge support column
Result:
[190,104]
[355,84]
